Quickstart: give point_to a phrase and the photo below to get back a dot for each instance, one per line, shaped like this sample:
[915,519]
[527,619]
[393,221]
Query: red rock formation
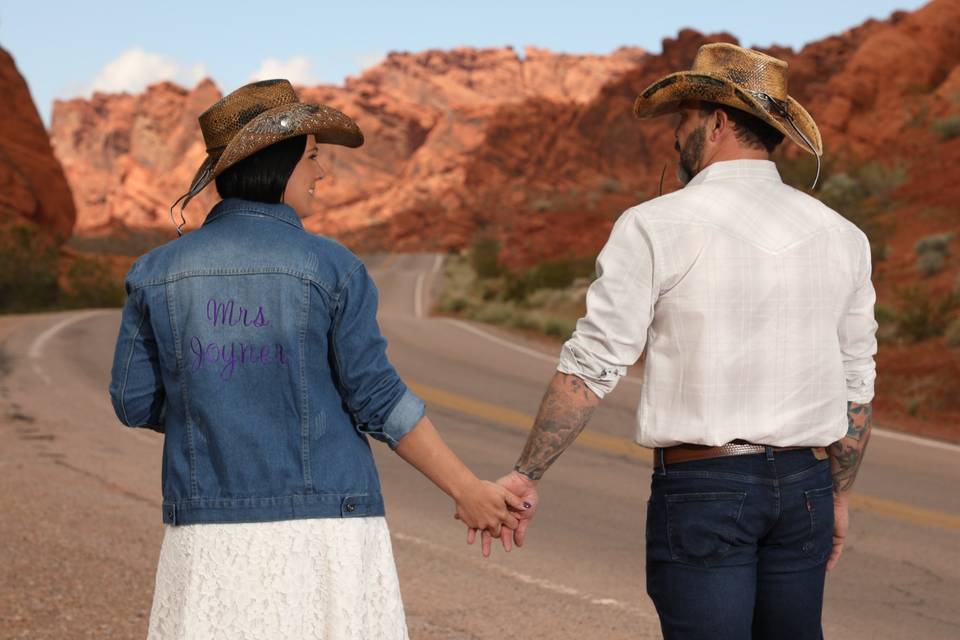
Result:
[33,188]
[129,156]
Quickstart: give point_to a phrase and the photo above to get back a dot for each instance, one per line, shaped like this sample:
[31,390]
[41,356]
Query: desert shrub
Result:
[28,270]
[946,128]
[610,185]
[485,258]
[936,243]
[124,242]
[543,204]
[91,283]
[930,263]
[921,314]
[952,333]
[886,318]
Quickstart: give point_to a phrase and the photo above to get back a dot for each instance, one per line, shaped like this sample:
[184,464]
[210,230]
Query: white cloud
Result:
[298,70]
[135,68]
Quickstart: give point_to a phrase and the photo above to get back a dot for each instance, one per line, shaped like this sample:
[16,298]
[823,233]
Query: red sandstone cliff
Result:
[128,157]
[33,188]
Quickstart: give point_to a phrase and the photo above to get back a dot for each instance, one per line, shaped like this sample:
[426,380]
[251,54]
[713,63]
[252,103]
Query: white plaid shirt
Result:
[753,302]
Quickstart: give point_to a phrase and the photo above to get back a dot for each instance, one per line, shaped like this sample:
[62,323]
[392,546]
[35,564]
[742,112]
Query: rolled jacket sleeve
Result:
[136,385]
[613,333]
[378,400]
[858,336]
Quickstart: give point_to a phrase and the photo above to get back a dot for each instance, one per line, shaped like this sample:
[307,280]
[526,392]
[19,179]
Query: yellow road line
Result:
[622,446]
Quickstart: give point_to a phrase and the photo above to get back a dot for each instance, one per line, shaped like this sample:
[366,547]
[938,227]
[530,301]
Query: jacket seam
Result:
[184,390]
[126,368]
[194,273]
[304,400]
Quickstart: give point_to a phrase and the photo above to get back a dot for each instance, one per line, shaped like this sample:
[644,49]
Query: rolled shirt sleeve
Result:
[613,333]
[858,335]
[380,403]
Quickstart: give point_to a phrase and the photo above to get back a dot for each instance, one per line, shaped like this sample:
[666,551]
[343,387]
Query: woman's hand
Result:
[486,506]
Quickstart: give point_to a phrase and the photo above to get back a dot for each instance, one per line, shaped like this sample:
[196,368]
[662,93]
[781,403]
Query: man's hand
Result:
[526,490]
[489,507]
[846,455]
[841,521]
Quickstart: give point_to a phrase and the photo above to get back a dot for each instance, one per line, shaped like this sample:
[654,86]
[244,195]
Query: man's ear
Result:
[720,123]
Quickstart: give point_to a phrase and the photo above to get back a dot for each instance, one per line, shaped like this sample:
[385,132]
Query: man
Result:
[754,305]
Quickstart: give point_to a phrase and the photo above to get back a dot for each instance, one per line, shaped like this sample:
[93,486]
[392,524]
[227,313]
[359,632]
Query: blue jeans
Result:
[737,546]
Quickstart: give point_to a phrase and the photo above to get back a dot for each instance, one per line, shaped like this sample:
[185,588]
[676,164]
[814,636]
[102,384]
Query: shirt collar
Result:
[282,212]
[738,169]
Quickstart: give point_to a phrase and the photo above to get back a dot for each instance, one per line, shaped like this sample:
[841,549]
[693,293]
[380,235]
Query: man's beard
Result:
[690,155]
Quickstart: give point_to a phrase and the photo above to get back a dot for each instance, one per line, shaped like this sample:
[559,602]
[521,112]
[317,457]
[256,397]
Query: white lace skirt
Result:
[327,578]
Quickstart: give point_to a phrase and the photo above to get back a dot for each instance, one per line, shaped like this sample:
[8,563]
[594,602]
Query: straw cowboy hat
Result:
[256,116]
[741,78]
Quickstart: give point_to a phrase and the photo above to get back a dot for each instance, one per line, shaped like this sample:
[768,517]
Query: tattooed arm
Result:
[846,455]
[564,412]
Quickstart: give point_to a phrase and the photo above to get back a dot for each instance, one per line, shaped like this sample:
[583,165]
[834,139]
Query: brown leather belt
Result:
[688,452]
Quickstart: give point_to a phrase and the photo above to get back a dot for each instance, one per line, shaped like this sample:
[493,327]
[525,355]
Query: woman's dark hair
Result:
[263,176]
[749,129]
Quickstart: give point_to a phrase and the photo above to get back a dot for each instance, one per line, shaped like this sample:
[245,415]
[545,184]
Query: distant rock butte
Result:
[33,188]
[129,156]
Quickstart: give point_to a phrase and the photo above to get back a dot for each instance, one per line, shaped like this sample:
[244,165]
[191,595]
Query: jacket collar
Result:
[282,212]
[738,169]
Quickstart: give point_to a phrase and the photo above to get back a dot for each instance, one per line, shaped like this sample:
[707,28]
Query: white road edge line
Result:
[927,442]
[518,348]
[36,347]
[544,584]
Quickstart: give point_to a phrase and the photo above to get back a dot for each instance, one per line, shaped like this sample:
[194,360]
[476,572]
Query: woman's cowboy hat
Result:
[254,117]
[741,78]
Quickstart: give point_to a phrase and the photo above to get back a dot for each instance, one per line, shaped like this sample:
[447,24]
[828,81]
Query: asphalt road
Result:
[80,521]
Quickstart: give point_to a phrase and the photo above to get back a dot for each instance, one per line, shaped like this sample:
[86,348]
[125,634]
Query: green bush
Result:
[946,128]
[91,283]
[930,263]
[922,315]
[936,243]
[485,258]
[28,270]
[952,333]
[29,276]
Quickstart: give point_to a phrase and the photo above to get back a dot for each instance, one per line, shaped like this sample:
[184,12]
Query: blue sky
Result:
[65,49]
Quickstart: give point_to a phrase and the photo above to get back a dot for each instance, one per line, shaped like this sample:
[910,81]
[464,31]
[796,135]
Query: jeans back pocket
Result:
[701,527]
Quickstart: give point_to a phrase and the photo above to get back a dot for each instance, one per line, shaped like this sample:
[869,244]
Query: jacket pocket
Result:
[701,527]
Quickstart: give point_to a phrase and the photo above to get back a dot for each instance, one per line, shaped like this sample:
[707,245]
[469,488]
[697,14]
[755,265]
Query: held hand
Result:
[841,521]
[487,507]
[524,488]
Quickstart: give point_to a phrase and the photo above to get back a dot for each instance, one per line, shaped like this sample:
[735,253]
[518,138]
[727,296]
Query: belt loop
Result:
[769,450]
[663,465]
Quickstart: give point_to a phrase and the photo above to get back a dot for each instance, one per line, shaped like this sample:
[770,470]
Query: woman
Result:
[254,347]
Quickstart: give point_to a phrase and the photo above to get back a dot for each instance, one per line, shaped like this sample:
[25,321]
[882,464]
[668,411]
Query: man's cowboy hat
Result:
[256,116]
[741,78]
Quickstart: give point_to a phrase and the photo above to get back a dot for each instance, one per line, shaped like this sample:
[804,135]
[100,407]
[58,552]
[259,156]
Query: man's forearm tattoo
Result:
[846,454]
[564,412]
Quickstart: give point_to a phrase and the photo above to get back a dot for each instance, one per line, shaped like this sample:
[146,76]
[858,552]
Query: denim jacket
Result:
[254,347]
